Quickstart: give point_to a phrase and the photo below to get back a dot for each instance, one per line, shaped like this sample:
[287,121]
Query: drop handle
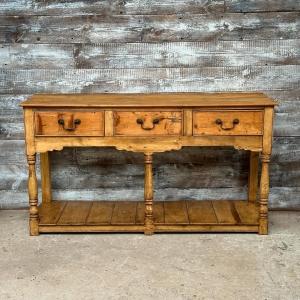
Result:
[141,122]
[70,127]
[221,124]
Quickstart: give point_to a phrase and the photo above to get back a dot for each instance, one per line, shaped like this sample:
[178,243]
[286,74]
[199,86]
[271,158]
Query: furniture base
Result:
[168,216]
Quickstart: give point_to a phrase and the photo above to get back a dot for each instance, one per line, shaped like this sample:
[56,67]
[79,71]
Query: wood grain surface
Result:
[148,28]
[131,46]
[150,55]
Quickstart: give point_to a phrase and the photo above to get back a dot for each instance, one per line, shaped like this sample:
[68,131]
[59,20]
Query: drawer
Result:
[147,123]
[227,122]
[71,123]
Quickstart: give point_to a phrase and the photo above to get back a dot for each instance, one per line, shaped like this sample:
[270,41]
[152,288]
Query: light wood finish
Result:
[264,193]
[253,176]
[109,123]
[75,213]
[153,144]
[45,177]
[140,228]
[201,212]
[148,194]
[158,213]
[248,212]
[149,100]
[176,212]
[33,196]
[76,123]
[188,125]
[101,213]
[227,122]
[264,179]
[124,213]
[149,124]
[50,212]
[32,179]
[119,216]
[226,212]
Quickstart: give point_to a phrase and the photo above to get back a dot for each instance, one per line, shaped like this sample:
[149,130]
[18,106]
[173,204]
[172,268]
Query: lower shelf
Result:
[128,216]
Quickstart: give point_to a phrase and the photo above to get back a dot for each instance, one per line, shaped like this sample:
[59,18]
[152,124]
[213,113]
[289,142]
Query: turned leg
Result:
[46,177]
[33,196]
[148,194]
[264,194]
[253,177]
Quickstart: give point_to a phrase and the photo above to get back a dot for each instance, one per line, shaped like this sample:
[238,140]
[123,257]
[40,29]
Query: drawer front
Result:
[72,123]
[227,123]
[147,123]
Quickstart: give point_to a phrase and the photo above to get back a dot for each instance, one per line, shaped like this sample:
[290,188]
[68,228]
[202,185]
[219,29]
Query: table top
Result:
[153,100]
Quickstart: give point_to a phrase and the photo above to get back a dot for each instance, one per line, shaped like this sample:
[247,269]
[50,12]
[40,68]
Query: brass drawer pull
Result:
[142,121]
[234,122]
[71,125]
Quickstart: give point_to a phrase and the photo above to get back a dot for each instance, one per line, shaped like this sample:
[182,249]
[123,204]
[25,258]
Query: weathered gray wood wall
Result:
[150,46]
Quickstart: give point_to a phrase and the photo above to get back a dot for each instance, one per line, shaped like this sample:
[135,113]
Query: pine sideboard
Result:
[149,123]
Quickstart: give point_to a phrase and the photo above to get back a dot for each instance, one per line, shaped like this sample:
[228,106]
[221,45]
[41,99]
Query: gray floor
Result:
[163,266]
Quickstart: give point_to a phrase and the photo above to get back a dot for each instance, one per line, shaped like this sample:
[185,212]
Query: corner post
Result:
[264,179]
[264,194]
[33,196]
[148,194]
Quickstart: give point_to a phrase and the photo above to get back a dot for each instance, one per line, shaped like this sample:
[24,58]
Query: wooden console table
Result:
[149,123]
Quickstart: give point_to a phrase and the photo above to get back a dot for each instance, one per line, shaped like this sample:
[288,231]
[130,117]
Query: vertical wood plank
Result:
[109,123]
[247,211]
[50,212]
[176,212]
[188,122]
[101,212]
[75,213]
[124,213]
[45,177]
[253,176]
[201,212]
[226,212]
[140,213]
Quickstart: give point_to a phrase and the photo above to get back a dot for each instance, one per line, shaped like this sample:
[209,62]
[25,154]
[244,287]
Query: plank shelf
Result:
[128,216]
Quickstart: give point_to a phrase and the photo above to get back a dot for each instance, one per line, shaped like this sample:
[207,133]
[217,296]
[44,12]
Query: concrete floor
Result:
[163,266]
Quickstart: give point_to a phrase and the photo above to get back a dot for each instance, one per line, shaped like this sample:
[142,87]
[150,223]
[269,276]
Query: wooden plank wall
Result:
[150,46]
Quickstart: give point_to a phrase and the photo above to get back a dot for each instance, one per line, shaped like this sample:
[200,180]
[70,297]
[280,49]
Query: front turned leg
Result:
[148,194]
[264,194]
[33,196]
